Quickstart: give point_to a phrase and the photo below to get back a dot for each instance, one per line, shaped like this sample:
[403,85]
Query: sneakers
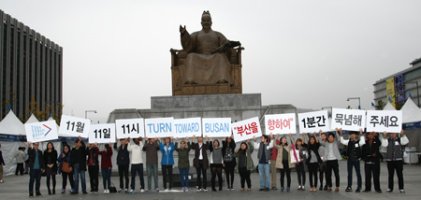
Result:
[358,190]
[402,191]
[348,189]
[131,191]
[288,189]
[389,190]
[142,190]
[106,191]
[282,189]
[1,181]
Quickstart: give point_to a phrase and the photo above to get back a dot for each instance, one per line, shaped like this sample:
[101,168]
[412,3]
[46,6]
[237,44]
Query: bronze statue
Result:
[206,61]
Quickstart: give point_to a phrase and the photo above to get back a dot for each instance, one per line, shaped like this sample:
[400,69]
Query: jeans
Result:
[93,177]
[313,168]
[201,170]
[64,176]
[152,171]
[137,169]
[167,176]
[332,165]
[391,167]
[244,177]
[286,170]
[322,172]
[372,170]
[76,173]
[301,173]
[356,165]
[106,178]
[216,170]
[229,173]
[184,177]
[34,176]
[123,173]
[264,175]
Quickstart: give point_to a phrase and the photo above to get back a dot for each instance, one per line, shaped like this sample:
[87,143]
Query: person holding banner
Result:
[151,148]
[183,148]
[394,158]
[283,162]
[322,166]
[332,161]
[353,144]
[273,169]
[123,162]
[93,166]
[245,164]
[50,158]
[216,163]
[201,163]
[228,149]
[263,154]
[78,162]
[36,167]
[65,168]
[106,166]
[299,154]
[167,161]
[313,162]
[136,160]
[371,156]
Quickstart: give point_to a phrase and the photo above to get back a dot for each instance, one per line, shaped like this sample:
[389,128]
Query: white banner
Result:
[246,129]
[348,119]
[216,127]
[74,126]
[311,122]
[102,133]
[189,127]
[280,124]
[384,121]
[159,127]
[41,131]
[130,128]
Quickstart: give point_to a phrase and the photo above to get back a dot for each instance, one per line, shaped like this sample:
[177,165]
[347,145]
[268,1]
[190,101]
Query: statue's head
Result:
[206,20]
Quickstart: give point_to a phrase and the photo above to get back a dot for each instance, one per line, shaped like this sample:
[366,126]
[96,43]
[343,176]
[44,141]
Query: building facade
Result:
[30,71]
[400,86]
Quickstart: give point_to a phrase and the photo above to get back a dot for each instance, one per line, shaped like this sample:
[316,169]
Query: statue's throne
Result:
[178,58]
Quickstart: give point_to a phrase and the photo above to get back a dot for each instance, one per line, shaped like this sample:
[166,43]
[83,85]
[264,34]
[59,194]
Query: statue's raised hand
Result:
[183,29]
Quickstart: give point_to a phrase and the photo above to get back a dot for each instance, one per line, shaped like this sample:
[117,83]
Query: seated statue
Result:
[206,61]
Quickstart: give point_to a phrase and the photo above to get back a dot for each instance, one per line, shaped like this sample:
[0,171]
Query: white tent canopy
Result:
[11,125]
[389,106]
[32,119]
[411,112]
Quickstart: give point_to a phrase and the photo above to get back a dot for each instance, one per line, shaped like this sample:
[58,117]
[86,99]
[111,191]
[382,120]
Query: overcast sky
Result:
[310,53]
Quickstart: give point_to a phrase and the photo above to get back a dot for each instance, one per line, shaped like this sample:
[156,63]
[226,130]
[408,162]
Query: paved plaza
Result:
[15,187]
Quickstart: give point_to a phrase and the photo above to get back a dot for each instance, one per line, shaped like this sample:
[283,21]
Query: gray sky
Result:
[307,53]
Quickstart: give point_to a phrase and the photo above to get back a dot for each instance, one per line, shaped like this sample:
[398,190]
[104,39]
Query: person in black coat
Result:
[228,153]
[36,167]
[78,163]
[123,162]
[50,159]
[372,156]
[200,162]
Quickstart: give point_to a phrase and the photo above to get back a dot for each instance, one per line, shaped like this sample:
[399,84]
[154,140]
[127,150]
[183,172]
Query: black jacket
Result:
[229,146]
[78,156]
[51,158]
[371,153]
[31,158]
[123,156]
[196,148]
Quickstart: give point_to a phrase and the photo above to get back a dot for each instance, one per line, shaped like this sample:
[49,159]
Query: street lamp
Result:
[87,111]
[355,98]
[418,93]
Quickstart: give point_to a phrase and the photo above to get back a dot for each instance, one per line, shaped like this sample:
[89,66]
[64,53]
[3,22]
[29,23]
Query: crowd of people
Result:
[316,153]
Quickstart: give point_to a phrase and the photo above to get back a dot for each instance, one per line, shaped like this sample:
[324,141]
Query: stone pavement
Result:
[15,187]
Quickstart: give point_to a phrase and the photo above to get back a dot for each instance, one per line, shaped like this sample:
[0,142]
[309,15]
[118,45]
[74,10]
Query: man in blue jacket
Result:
[167,149]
